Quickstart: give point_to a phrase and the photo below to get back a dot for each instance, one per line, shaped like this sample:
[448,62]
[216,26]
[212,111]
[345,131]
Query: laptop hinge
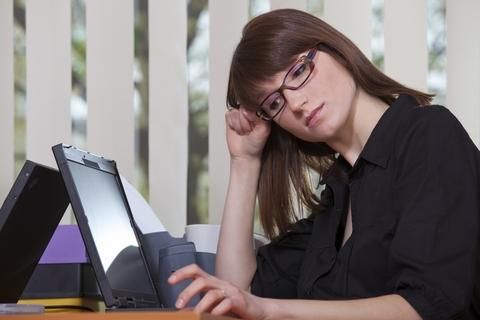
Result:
[124,302]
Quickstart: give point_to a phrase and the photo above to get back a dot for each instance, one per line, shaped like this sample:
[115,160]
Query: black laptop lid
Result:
[106,224]
[28,218]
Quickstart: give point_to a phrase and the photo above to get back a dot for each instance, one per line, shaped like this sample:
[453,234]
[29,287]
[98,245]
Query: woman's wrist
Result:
[247,159]
[245,163]
[271,308]
[244,174]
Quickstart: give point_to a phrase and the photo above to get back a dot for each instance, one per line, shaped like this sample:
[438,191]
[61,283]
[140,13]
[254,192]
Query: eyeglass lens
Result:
[294,79]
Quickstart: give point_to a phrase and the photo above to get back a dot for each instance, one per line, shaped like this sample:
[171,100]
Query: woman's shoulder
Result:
[432,122]
[432,131]
[431,115]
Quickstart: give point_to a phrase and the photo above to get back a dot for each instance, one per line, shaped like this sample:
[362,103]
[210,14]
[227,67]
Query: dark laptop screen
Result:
[28,218]
[108,219]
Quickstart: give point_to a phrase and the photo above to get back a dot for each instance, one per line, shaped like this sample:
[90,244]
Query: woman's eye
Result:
[276,103]
[299,70]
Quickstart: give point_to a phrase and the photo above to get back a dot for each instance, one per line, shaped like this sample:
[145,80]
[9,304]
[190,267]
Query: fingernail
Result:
[172,278]
[179,303]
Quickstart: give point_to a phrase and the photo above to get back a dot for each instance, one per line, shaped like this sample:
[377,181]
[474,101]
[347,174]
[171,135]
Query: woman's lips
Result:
[313,116]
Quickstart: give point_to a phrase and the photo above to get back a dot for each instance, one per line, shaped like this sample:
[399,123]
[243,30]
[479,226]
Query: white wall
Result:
[6,97]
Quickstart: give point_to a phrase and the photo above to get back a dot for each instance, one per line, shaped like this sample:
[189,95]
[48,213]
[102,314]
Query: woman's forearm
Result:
[388,307]
[235,255]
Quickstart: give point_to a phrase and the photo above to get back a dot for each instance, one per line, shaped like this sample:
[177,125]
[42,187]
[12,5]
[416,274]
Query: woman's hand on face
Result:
[246,133]
[220,297]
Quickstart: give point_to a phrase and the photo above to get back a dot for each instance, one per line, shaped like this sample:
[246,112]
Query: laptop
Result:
[108,229]
[28,218]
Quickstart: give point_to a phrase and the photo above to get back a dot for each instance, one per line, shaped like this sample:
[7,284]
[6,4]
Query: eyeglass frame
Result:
[309,59]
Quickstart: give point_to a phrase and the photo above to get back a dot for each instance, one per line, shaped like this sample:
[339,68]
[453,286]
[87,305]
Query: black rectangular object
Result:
[28,218]
[62,280]
[107,228]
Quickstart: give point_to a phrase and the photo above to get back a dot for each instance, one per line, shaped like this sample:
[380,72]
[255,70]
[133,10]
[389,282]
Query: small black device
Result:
[170,259]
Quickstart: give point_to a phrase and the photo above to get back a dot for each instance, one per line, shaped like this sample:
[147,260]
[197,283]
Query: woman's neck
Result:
[365,113]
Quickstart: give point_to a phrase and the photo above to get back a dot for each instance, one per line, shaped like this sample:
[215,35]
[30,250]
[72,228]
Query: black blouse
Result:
[415,199]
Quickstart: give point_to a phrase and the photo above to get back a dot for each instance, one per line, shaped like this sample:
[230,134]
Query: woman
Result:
[395,232]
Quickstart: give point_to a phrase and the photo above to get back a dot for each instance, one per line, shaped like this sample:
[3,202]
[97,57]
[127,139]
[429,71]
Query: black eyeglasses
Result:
[295,78]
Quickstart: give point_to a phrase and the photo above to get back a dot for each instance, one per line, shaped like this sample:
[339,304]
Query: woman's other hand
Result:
[246,133]
[221,297]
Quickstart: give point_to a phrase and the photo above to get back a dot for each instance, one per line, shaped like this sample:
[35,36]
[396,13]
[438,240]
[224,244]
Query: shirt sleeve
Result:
[278,263]
[435,247]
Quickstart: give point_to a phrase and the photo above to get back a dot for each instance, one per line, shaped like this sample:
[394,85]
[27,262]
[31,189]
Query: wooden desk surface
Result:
[183,315]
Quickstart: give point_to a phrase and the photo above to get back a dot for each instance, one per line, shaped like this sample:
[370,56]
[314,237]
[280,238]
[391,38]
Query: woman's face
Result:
[320,109]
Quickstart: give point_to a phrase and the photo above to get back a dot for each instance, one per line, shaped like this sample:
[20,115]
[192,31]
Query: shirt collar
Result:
[377,150]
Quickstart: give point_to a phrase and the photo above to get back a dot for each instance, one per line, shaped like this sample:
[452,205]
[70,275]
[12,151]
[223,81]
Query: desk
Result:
[134,315]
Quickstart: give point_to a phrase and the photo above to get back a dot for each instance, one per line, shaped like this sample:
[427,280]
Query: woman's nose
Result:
[295,99]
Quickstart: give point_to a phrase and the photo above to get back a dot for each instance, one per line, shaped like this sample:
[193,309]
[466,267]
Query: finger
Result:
[249,114]
[228,118]
[224,307]
[257,123]
[188,272]
[236,123]
[199,285]
[209,300]
[232,120]
[246,124]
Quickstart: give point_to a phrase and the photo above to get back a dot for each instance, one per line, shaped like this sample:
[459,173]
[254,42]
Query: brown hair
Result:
[270,43]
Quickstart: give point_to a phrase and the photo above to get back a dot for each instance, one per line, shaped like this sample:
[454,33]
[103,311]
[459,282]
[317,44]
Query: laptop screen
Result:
[28,218]
[107,215]
[104,218]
